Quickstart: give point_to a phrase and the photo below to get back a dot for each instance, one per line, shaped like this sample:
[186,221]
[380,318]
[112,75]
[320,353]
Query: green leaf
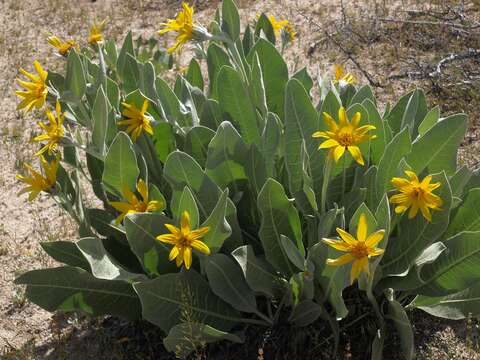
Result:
[247,41]
[196,143]
[75,81]
[456,269]
[305,313]
[182,170]
[459,181]
[220,229]
[111,55]
[235,100]
[415,112]
[301,121]
[172,298]
[187,203]
[417,234]
[257,87]
[172,108]
[271,137]
[216,59]
[467,217]
[226,156]
[102,265]
[255,169]
[186,337]
[142,230]
[363,94]
[113,93]
[333,280]
[101,121]
[292,252]
[164,140]
[121,169]
[264,25]
[395,116]
[456,306]
[279,217]
[127,49]
[130,74]
[194,74]
[230,19]
[227,282]
[73,289]
[211,115]
[275,74]
[437,149]
[257,272]
[377,145]
[400,319]
[66,252]
[429,121]
[389,163]
[103,223]
[303,76]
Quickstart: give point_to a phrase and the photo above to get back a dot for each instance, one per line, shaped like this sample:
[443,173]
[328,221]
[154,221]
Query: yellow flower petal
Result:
[375,238]
[362,228]
[342,260]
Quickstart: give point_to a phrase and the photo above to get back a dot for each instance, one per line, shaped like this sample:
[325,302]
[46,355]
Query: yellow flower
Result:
[344,136]
[36,91]
[341,76]
[54,131]
[416,194]
[136,120]
[184,239]
[62,46]
[95,35]
[359,250]
[182,25]
[278,25]
[38,182]
[134,204]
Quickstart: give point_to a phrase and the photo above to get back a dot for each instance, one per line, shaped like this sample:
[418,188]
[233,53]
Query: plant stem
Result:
[326,177]
[344,178]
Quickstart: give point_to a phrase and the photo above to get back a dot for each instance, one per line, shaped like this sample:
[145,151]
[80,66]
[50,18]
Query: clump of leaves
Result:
[222,203]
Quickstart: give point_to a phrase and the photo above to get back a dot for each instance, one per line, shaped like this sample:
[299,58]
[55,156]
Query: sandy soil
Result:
[381,49]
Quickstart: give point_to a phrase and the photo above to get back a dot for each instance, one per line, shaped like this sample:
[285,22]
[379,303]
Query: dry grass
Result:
[395,55]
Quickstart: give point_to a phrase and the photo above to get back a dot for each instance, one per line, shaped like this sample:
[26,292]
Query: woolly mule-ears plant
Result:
[234,193]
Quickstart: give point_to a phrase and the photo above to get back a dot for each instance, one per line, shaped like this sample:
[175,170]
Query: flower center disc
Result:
[360,250]
[345,138]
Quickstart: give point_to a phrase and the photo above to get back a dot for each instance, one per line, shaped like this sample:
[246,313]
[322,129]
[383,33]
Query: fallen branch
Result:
[471,53]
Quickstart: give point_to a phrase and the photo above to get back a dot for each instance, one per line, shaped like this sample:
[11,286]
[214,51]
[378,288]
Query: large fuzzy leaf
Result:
[226,156]
[301,121]
[279,217]
[467,217]
[437,149]
[275,74]
[226,280]
[121,169]
[258,273]
[142,230]
[455,306]
[456,269]
[174,298]
[74,289]
[235,101]
[104,266]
